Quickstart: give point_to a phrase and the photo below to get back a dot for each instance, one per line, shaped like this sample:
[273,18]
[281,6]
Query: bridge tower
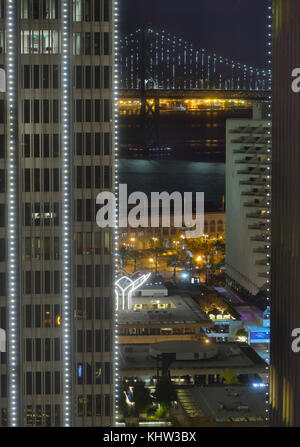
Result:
[149,114]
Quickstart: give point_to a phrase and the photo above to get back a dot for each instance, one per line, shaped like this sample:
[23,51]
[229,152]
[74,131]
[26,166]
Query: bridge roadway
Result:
[249,95]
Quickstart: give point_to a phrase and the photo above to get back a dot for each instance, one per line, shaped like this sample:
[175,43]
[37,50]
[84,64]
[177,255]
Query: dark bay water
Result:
[193,136]
[171,175]
[196,161]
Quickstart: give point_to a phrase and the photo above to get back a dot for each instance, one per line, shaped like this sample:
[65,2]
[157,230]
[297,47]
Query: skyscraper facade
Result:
[56,155]
[285,279]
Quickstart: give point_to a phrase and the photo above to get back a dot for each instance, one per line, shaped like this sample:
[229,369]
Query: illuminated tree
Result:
[135,255]
[156,252]
[141,397]
[139,402]
[123,255]
[165,392]
[229,376]
[174,261]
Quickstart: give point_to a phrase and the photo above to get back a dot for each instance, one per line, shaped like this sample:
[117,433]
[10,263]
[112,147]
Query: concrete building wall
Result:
[246,209]
[39,123]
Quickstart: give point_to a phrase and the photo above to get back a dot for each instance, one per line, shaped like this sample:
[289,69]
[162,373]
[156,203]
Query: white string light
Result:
[12,224]
[66,212]
[209,71]
[269,141]
[115,353]
[130,287]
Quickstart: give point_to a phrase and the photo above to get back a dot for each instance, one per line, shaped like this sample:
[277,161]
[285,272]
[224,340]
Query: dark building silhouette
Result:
[285,277]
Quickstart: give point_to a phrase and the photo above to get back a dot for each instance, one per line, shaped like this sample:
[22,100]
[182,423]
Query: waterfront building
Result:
[248,189]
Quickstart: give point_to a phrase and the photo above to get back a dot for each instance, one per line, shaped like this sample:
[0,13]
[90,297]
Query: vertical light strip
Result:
[269,177]
[12,215]
[115,38]
[66,210]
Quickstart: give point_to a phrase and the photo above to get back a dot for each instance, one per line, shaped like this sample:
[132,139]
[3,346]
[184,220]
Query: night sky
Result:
[231,28]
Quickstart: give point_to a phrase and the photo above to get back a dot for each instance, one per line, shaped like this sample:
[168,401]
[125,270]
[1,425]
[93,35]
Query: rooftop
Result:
[235,402]
[226,355]
[183,310]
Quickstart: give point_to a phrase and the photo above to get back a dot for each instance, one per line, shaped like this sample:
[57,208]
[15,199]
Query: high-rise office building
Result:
[56,155]
[248,193]
[285,278]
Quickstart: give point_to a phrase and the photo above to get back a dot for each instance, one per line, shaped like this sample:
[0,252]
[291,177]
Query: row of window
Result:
[43,416]
[47,76]
[48,282]
[97,110]
[48,111]
[90,308]
[90,177]
[91,10]
[37,282]
[42,316]
[48,315]
[92,76]
[49,349]
[93,143]
[41,76]
[47,248]
[47,180]
[42,349]
[40,42]
[50,415]
[49,382]
[97,340]
[41,111]
[87,406]
[93,275]
[89,243]
[212,227]
[38,248]
[83,10]
[48,42]
[47,214]
[40,9]
[86,210]
[90,374]
[92,44]
[47,145]
[42,383]
[40,214]
[40,180]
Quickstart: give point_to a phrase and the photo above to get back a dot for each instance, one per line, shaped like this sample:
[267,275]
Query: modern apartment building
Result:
[56,155]
[285,279]
[248,201]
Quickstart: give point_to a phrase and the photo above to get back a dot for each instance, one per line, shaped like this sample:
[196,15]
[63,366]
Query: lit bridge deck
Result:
[249,95]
